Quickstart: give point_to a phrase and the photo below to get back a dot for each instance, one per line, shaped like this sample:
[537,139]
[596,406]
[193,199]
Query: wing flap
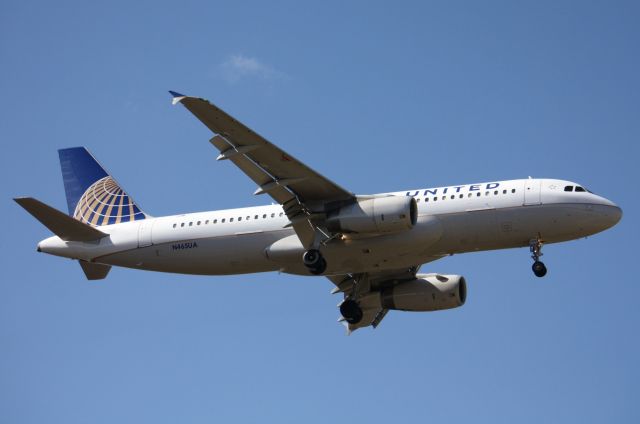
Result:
[259,174]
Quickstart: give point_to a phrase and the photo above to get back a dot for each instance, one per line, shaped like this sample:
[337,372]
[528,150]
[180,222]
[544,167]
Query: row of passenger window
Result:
[223,220]
[273,215]
[461,196]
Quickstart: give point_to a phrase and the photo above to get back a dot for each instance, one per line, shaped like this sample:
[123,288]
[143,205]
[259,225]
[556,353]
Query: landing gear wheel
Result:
[314,261]
[351,311]
[539,269]
[311,257]
[319,268]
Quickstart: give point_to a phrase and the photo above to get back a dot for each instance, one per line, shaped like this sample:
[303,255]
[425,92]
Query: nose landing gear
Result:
[538,267]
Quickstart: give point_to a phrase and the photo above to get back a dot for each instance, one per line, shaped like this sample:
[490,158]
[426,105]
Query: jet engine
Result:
[428,292]
[375,215]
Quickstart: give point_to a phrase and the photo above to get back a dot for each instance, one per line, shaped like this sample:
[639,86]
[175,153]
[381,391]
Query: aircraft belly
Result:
[362,253]
[513,227]
[233,254]
[562,222]
[468,231]
[403,249]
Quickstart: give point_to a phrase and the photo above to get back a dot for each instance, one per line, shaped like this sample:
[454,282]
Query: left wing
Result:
[304,194]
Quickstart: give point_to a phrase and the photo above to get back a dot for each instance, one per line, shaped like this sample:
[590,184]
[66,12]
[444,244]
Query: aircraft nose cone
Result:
[614,214]
[609,215]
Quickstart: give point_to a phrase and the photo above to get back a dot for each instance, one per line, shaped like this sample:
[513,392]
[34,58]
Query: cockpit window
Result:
[578,188]
[568,188]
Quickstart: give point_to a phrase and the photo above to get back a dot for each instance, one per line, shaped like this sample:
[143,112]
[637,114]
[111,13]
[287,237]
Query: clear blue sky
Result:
[379,96]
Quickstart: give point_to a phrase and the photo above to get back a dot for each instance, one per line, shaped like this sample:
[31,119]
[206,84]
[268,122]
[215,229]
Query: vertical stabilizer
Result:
[93,196]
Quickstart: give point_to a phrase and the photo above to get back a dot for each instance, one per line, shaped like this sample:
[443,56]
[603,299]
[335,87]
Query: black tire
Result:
[351,311]
[312,258]
[319,268]
[539,269]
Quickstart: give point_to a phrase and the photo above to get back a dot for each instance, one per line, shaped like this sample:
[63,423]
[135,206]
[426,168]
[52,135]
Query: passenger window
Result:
[223,219]
[239,218]
[182,225]
[580,189]
[470,194]
[504,191]
[479,194]
[206,222]
[568,188]
[264,216]
[199,222]
[281,214]
[174,225]
[418,200]
[426,199]
[230,219]
[444,197]
[453,196]
[273,215]
[255,217]
[486,193]
[215,221]
[461,196]
[435,198]
[191,224]
[513,190]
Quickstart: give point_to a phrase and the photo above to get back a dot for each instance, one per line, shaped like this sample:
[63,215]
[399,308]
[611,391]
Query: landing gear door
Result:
[144,233]
[532,192]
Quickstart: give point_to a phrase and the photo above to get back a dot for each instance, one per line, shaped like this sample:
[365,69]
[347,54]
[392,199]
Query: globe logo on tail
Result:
[104,203]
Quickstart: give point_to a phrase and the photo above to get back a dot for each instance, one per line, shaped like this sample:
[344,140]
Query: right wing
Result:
[368,290]
[304,194]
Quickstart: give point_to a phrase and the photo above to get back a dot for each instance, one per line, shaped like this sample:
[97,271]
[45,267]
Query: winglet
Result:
[177,97]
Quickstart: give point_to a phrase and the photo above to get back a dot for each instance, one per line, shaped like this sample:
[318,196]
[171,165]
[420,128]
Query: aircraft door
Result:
[532,192]
[144,233]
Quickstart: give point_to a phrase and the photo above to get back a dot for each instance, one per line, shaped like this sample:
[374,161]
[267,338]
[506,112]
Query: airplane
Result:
[369,246]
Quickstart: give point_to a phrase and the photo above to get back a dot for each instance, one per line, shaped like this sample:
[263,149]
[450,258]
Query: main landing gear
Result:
[314,261]
[535,246]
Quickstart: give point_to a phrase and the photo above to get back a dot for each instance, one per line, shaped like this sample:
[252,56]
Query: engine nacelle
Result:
[377,215]
[428,292]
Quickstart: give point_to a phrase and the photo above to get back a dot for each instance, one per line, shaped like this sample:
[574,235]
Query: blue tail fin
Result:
[93,196]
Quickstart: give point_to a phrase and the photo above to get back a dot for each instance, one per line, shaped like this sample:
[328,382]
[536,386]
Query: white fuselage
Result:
[456,219]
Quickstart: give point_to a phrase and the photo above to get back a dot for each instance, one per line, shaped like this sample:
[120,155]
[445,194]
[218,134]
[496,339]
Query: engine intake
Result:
[428,292]
[377,215]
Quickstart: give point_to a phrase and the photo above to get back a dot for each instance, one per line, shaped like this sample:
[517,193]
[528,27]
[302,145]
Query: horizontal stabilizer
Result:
[61,224]
[94,271]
